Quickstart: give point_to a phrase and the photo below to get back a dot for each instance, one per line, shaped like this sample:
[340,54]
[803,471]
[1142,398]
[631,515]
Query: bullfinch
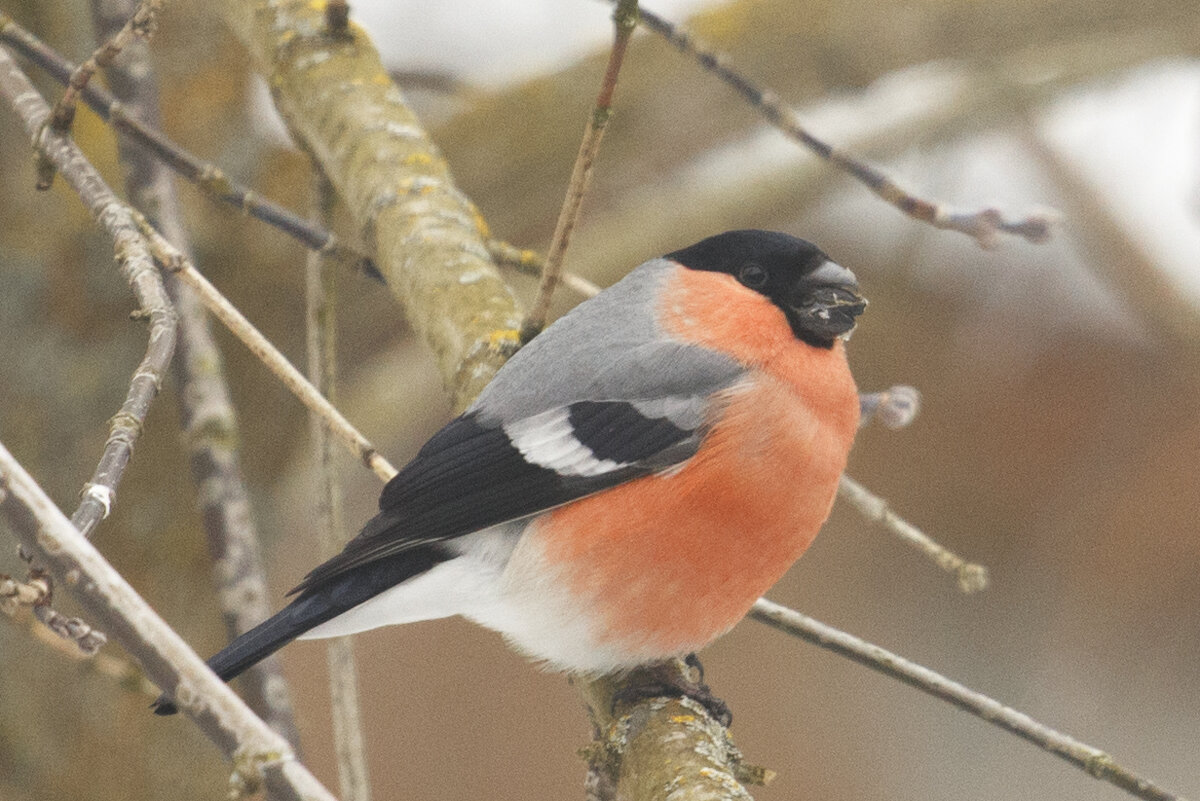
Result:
[630,482]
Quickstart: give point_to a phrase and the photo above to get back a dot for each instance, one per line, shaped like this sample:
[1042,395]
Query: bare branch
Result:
[173,261]
[36,593]
[136,264]
[141,24]
[207,417]
[258,753]
[624,21]
[208,177]
[971,577]
[894,408]
[984,225]
[126,426]
[530,262]
[124,673]
[321,329]
[1083,756]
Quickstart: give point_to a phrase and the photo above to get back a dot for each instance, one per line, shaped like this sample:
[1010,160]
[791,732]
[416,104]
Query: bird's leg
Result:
[674,679]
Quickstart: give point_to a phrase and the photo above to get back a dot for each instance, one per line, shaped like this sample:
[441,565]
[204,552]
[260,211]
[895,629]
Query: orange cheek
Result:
[713,309]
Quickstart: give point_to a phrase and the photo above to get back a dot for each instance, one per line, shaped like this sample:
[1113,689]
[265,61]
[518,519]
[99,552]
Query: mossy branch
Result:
[429,239]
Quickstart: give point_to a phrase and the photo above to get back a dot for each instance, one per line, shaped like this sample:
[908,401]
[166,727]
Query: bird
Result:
[629,483]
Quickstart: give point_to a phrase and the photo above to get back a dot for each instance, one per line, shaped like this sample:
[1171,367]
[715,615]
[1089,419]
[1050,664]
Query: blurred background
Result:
[1058,444]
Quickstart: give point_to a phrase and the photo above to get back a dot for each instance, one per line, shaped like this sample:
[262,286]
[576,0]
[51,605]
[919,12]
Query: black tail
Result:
[313,607]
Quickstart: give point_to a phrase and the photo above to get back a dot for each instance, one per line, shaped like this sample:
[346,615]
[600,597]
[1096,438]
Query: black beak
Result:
[827,303]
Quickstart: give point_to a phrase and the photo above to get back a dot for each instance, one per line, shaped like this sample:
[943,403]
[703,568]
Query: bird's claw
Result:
[672,680]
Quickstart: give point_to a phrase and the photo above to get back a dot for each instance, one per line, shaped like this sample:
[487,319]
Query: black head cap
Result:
[819,298]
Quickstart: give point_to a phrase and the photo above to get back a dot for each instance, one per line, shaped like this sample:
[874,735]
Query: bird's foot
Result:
[674,679]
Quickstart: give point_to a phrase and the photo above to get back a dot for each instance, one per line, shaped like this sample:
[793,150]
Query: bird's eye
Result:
[752,274]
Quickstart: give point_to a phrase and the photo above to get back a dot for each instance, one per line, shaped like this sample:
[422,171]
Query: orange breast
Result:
[672,561]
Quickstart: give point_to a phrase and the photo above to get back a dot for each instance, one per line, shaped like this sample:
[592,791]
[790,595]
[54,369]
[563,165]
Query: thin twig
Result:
[984,225]
[136,264]
[16,594]
[971,577]
[208,177]
[70,629]
[141,24]
[126,674]
[36,593]
[321,329]
[125,427]
[178,263]
[1089,759]
[624,21]
[259,755]
[895,408]
[206,412]
[530,262]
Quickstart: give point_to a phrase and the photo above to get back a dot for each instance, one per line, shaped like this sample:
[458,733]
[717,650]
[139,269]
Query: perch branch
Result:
[661,749]
[206,412]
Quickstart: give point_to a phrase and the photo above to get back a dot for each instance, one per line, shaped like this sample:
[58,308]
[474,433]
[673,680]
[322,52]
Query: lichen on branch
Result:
[428,238]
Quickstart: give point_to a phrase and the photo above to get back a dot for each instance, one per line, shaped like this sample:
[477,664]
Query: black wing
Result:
[473,474]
